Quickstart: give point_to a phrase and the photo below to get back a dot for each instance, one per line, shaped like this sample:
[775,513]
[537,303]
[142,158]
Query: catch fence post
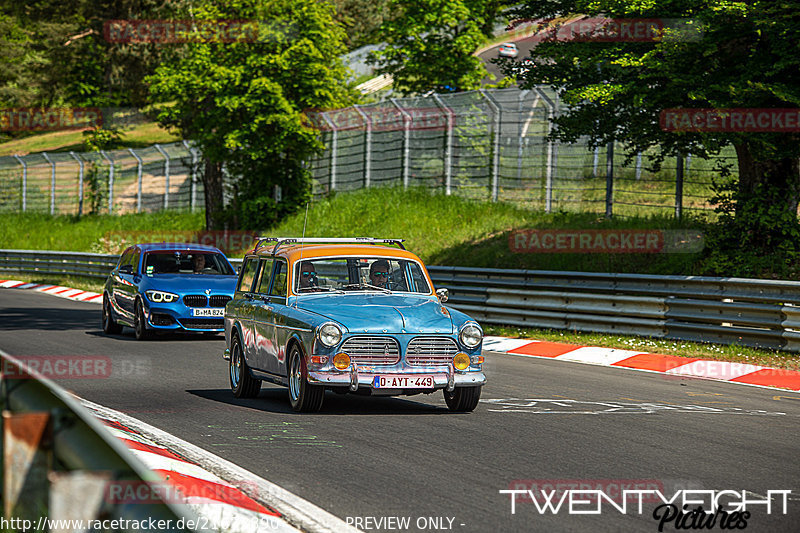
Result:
[193,183]
[610,179]
[24,181]
[595,161]
[138,180]
[496,118]
[448,145]
[406,140]
[110,181]
[166,174]
[638,165]
[80,182]
[52,182]
[551,151]
[679,187]
[367,146]
[334,150]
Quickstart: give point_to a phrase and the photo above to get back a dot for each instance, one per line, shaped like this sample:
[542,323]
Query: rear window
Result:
[187,263]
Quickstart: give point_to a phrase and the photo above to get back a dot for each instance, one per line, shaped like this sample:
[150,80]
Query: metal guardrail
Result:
[750,312]
[59,462]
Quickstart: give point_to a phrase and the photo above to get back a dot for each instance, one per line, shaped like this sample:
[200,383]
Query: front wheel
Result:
[243,384]
[462,399]
[140,323]
[303,396]
[110,327]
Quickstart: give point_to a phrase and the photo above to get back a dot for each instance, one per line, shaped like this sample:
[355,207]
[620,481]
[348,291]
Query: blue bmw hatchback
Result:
[168,286]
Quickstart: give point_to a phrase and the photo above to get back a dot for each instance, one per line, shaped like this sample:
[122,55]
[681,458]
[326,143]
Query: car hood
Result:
[192,283]
[381,313]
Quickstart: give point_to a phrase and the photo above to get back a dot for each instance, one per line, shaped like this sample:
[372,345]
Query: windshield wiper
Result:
[317,289]
[366,285]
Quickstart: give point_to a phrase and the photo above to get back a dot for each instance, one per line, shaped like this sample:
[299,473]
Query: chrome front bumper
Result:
[355,378]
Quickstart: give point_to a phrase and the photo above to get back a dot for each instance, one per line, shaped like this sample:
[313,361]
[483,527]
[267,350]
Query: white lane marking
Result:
[502,344]
[579,407]
[154,461]
[299,512]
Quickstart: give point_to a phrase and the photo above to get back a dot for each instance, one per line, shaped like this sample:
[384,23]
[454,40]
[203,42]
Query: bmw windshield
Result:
[186,262]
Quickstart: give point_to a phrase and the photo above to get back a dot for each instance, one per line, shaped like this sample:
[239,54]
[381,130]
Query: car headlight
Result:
[470,335]
[161,297]
[329,334]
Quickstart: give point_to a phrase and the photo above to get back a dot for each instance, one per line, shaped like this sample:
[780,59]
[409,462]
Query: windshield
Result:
[186,262]
[359,274]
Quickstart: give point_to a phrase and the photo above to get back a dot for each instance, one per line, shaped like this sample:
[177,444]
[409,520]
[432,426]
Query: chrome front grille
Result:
[219,300]
[195,300]
[428,351]
[372,350]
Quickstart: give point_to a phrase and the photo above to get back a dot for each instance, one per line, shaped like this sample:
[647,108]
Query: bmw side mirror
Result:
[126,269]
[442,294]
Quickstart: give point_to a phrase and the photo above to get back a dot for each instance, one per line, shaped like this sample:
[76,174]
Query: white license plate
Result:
[403,382]
[209,311]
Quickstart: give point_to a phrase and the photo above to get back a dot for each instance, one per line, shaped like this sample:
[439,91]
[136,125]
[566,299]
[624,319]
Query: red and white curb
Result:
[667,364]
[203,481]
[56,290]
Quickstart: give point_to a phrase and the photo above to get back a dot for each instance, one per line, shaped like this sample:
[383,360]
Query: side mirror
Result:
[126,269]
[443,295]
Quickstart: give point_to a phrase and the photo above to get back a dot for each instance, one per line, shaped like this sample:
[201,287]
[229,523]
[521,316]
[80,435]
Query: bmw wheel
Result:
[243,384]
[303,396]
[110,327]
[462,399]
[140,323]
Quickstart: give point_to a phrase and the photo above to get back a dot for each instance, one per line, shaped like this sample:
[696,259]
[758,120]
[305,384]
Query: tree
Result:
[430,43]
[362,19]
[738,54]
[242,102]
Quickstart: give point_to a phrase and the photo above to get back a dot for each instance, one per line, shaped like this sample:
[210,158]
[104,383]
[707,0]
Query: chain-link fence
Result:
[156,177]
[492,145]
[488,145]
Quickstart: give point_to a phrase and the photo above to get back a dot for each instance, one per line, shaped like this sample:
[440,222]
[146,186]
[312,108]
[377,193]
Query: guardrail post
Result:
[24,181]
[138,180]
[166,174]
[52,182]
[496,118]
[80,182]
[551,151]
[367,145]
[448,145]
[610,180]
[679,187]
[595,161]
[194,175]
[77,496]
[27,459]
[638,165]
[110,181]
[406,140]
[334,150]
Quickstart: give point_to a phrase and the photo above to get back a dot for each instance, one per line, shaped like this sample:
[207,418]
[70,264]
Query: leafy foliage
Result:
[731,54]
[430,43]
[243,104]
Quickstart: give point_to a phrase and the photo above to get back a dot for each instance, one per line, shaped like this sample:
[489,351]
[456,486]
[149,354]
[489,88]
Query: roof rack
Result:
[280,241]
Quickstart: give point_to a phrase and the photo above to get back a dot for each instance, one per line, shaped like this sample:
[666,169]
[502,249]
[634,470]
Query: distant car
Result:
[508,50]
[351,316]
[165,287]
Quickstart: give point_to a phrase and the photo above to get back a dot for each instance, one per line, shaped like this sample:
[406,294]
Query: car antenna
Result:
[300,262]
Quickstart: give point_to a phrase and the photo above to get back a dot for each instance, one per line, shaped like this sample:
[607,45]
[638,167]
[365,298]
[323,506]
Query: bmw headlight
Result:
[329,334]
[161,297]
[470,335]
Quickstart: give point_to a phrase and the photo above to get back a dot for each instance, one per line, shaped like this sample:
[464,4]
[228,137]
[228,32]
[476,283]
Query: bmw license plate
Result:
[403,382]
[208,311]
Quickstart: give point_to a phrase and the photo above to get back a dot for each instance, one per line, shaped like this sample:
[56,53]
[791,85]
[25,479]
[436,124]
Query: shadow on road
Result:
[47,318]
[276,400]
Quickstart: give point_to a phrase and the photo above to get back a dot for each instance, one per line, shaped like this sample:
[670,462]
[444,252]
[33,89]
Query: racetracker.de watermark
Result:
[58,367]
[606,30]
[50,118]
[730,119]
[227,241]
[577,241]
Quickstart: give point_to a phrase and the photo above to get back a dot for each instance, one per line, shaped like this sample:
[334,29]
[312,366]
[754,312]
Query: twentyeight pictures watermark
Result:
[669,507]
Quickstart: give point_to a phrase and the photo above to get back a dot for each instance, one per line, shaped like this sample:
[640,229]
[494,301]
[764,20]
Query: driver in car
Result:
[379,273]
[308,276]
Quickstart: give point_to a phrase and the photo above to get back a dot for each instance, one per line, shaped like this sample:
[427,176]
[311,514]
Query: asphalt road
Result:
[411,458]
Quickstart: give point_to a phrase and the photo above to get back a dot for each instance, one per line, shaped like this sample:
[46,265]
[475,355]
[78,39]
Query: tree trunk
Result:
[781,174]
[212,183]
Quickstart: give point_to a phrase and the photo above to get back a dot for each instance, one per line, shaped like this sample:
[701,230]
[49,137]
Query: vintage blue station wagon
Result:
[351,316]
